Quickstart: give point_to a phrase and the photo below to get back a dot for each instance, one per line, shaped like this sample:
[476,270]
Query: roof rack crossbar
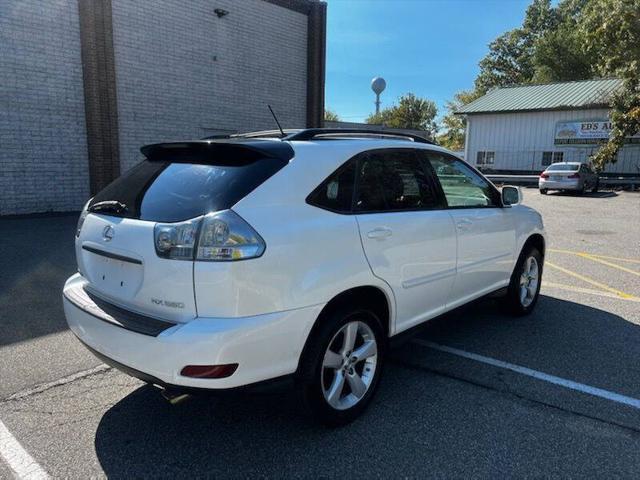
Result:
[311,133]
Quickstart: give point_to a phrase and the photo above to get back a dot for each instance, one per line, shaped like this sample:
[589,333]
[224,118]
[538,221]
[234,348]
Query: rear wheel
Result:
[524,287]
[543,191]
[342,365]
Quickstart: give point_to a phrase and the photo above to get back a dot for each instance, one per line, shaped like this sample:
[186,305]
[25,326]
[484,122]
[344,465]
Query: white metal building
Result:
[525,128]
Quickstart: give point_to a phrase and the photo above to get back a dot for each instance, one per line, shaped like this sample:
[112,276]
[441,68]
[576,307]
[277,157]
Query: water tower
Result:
[378,85]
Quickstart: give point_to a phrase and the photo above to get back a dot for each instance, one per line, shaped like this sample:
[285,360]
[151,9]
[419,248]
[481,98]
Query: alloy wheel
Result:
[349,365]
[529,281]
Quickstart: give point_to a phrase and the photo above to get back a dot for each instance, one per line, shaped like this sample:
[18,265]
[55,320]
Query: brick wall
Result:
[43,150]
[181,71]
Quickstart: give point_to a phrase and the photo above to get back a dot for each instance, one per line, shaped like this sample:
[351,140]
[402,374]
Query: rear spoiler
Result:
[223,151]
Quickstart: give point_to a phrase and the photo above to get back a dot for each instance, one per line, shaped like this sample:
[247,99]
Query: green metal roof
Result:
[550,96]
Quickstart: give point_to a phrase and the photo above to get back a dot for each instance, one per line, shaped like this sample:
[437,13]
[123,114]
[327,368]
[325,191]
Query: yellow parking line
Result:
[571,252]
[602,286]
[604,262]
[589,291]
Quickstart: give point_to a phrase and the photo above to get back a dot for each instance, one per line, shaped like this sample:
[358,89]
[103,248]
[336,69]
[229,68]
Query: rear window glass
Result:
[563,168]
[172,191]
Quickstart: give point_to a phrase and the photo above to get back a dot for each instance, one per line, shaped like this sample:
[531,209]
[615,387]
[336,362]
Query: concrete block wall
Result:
[43,149]
[181,72]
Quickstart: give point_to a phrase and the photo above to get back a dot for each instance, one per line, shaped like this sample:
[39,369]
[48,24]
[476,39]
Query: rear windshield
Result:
[563,168]
[172,191]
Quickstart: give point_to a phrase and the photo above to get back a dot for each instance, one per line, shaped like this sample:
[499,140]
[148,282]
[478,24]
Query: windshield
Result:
[166,191]
[563,167]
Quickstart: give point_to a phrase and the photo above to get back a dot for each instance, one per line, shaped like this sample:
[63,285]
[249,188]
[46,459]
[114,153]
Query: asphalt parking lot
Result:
[475,394]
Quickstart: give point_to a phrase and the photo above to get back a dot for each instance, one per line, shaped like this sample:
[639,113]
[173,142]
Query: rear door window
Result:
[184,187]
[394,180]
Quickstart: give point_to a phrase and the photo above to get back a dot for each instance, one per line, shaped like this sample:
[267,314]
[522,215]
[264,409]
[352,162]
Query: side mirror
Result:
[511,195]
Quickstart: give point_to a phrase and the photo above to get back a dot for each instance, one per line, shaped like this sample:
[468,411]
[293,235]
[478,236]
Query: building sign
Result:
[587,132]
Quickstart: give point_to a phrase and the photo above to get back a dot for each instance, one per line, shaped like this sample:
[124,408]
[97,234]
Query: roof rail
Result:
[311,133]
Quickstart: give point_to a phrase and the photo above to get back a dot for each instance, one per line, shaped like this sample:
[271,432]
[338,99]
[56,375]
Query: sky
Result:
[428,47]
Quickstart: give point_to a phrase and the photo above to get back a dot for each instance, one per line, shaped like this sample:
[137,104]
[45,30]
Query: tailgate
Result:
[118,258]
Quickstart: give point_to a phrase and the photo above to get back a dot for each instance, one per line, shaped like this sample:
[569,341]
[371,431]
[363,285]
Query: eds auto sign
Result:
[587,132]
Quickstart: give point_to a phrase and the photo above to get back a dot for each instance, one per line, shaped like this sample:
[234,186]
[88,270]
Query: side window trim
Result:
[497,200]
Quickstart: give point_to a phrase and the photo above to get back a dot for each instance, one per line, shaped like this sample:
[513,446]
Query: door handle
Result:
[381,232]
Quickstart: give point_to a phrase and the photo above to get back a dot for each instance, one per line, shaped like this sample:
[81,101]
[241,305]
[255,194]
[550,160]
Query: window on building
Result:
[485,158]
[551,157]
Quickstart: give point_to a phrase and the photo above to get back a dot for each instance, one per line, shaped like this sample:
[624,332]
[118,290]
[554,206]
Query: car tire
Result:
[524,287]
[543,191]
[595,187]
[330,373]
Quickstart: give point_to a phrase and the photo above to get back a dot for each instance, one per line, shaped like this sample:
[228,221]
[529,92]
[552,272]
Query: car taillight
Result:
[176,240]
[219,236]
[226,236]
[575,175]
[544,175]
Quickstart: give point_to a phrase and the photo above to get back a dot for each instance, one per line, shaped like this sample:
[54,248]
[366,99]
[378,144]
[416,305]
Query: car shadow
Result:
[599,194]
[417,425]
[561,337]
[37,257]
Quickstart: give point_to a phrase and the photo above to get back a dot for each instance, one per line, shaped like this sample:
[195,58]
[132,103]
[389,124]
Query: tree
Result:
[412,112]
[611,29]
[559,48]
[331,116]
[510,59]
[576,40]
[455,125]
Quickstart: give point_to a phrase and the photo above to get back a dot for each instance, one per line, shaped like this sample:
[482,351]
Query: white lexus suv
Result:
[226,263]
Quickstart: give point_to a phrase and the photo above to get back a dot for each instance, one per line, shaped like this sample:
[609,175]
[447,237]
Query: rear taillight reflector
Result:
[544,175]
[209,371]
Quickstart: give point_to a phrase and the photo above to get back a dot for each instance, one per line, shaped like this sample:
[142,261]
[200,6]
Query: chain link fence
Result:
[535,161]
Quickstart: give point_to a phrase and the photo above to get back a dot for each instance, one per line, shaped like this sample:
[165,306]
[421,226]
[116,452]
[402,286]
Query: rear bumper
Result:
[264,346]
[565,185]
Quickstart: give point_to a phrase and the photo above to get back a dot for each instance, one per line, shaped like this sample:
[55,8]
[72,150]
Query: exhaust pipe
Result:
[174,397]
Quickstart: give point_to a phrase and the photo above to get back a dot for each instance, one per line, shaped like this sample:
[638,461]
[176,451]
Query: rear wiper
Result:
[108,206]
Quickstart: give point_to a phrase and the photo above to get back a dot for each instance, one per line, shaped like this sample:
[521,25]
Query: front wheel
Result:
[526,279]
[342,366]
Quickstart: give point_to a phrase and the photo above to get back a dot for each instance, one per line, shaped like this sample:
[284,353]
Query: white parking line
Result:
[17,458]
[563,382]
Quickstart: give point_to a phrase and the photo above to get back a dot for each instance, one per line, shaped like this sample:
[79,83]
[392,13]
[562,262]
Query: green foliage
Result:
[453,137]
[611,29]
[331,116]
[411,112]
[575,40]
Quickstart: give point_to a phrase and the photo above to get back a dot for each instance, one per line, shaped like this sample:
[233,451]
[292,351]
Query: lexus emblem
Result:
[107,233]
